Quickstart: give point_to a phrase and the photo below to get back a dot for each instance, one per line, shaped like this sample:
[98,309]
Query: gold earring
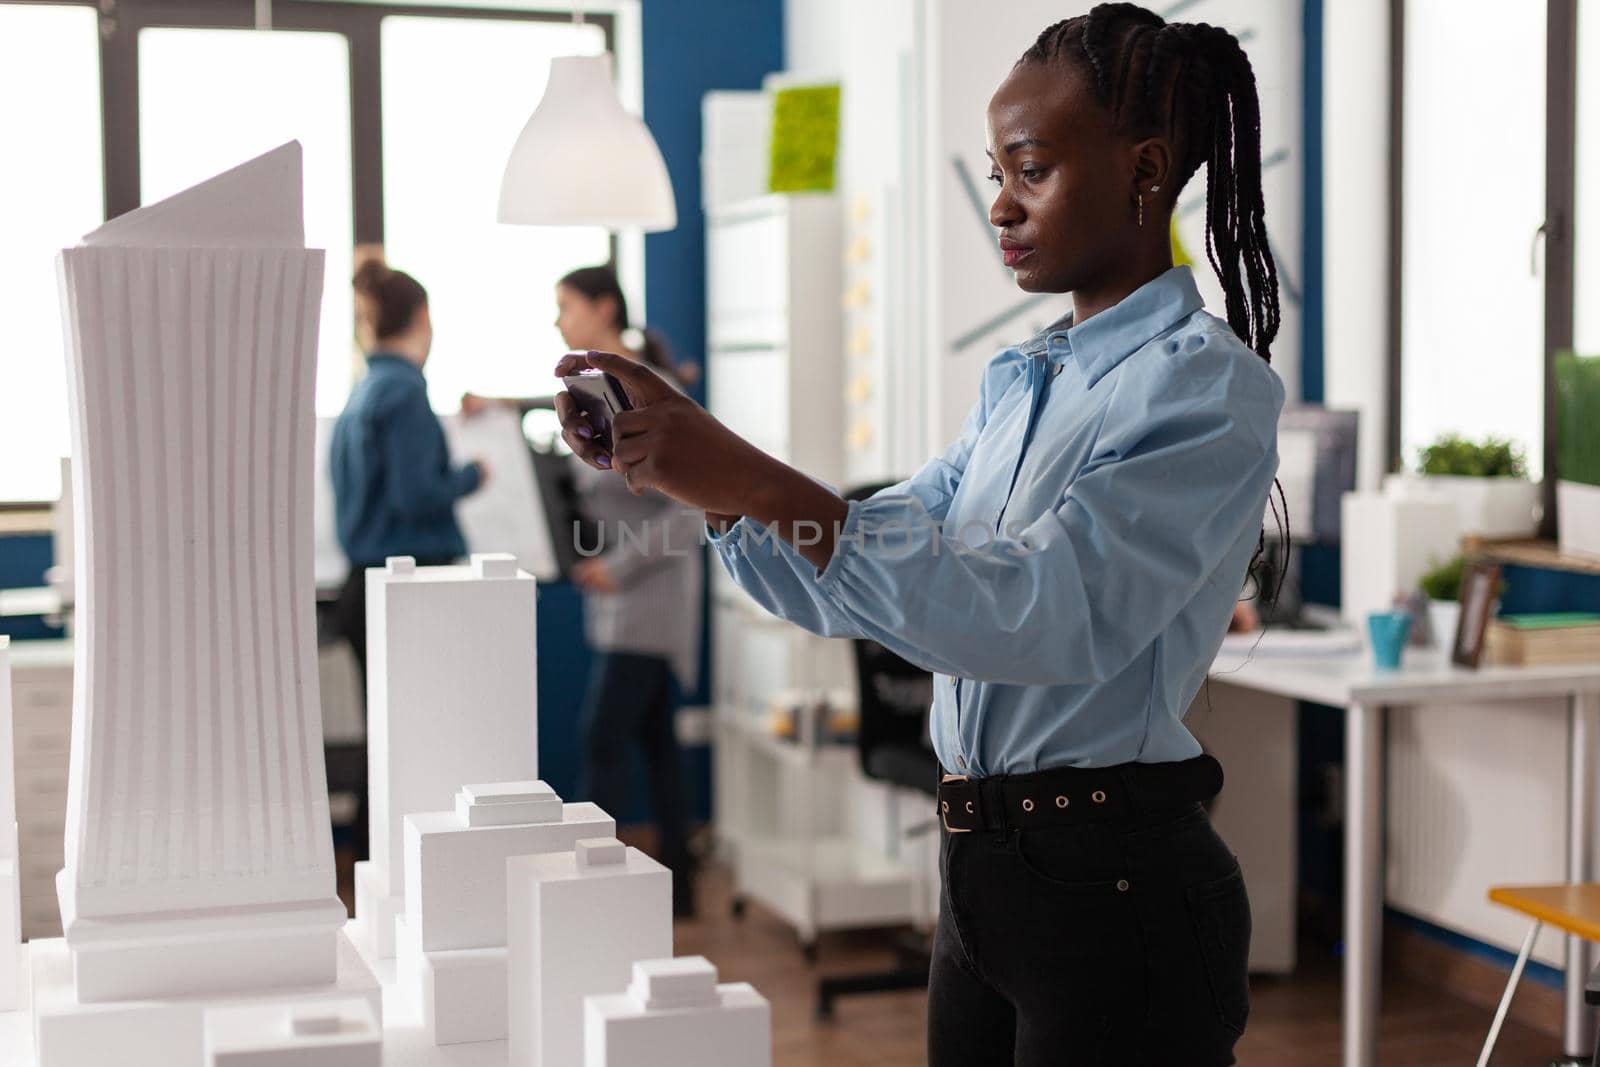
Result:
[1141,210]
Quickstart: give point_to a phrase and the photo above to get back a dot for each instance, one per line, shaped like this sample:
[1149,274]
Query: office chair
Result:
[892,746]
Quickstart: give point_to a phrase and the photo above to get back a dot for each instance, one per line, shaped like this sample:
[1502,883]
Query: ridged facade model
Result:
[198,798]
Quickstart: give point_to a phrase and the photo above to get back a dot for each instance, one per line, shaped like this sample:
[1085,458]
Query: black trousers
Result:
[630,706]
[1122,943]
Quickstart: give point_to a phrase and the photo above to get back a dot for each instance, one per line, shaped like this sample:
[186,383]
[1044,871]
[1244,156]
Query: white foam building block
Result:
[675,1014]
[198,854]
[451,698]
[577,922]
[334,1033]
[1389,541]
[10,873]
[451,941]
[164,1031]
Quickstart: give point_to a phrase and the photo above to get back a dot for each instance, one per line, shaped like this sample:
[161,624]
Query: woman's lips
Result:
[1013,256]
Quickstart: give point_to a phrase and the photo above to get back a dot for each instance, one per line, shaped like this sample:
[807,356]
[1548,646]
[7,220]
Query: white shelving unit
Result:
[783,808]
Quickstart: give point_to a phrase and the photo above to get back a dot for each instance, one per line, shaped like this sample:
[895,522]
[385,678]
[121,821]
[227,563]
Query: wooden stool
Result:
[1572,907]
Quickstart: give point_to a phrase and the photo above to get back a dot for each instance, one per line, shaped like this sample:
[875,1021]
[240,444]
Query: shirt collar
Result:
[1121,330]
[393,360]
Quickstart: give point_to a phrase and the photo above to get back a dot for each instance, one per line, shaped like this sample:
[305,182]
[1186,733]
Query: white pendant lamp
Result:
[583,161]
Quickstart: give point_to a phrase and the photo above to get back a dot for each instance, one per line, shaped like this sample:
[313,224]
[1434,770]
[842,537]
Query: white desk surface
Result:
[1425,676]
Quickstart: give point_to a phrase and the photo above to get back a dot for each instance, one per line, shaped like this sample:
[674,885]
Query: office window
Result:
[209,99]
[51,194]
[456,92]
[1586,306]
[1472,306]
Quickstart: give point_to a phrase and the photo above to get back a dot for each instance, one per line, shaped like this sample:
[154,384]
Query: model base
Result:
[160,1032]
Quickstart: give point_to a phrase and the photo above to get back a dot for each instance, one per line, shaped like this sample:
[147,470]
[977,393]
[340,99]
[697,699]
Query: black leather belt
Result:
[1069,795]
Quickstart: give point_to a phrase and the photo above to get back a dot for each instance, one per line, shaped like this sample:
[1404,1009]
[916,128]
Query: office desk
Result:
[1365,693]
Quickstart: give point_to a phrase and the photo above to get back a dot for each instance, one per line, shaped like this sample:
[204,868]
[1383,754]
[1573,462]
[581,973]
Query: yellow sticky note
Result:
[861,208]
[858,251]
[858,295]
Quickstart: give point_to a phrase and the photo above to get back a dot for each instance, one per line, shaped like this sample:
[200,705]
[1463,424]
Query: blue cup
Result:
[1390,631]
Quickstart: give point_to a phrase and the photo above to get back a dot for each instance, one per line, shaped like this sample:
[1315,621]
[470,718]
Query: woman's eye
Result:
[994,176]
[1032,174]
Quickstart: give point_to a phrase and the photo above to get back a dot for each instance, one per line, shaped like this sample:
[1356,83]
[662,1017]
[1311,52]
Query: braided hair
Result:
[1192,83]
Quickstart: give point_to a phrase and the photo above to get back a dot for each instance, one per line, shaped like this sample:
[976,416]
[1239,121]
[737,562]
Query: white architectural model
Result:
[674,1014]
[451,941]
[340,1033]
[199,862]
[577,923]
[10,874]
[451,698]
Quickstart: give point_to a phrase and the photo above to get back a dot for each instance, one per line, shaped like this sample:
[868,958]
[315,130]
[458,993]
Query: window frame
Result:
[1558,245]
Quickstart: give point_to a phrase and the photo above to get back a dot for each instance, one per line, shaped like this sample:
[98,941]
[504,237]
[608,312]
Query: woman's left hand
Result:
[667,442]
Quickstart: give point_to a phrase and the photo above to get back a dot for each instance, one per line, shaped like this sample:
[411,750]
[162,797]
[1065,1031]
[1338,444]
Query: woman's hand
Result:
[593,576]
[667,442]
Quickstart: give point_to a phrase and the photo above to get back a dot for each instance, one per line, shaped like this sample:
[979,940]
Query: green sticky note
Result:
[805,139]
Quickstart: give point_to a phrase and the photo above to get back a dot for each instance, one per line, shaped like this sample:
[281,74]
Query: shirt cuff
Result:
[725,542]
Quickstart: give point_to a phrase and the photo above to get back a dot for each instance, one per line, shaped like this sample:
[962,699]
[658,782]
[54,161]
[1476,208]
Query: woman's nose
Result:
[1003,212]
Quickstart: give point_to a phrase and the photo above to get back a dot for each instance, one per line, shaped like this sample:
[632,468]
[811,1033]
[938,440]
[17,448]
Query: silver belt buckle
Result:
[944,807]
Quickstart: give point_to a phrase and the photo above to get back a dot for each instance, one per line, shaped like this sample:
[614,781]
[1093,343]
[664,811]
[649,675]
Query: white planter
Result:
[1443,617]
[1496,508]
[1578,515]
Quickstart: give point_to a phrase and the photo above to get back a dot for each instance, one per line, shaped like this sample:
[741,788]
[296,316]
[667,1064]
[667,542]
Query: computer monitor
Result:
[1316,467]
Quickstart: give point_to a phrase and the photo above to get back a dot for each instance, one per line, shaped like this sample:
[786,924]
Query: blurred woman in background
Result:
[394,487]
[641,578]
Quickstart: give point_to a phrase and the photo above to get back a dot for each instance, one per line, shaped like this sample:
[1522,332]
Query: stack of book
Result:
[1544,640]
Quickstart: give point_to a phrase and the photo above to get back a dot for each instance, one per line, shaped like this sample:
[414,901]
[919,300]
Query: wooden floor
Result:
[1294,1022]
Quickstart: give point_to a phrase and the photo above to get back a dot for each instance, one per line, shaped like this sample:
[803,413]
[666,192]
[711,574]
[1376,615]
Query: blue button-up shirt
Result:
[394,489]
[1069,565]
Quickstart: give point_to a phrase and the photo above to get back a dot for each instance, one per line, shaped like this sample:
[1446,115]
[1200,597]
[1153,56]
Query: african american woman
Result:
[1067,567]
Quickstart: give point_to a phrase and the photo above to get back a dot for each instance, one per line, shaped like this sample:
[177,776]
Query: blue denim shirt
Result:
[1069,565]
[394,490]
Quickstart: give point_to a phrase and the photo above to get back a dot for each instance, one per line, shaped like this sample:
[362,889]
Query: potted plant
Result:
[1578,453]
[1488,480]
[1442,585]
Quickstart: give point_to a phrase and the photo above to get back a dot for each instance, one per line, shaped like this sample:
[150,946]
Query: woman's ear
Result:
[1152,164]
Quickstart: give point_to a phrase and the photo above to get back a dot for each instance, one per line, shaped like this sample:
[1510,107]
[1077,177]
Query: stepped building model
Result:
[199,860]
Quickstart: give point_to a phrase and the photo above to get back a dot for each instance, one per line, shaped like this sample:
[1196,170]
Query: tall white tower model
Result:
[198,852]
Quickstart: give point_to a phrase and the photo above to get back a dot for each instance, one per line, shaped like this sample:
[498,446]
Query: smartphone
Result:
[600,396]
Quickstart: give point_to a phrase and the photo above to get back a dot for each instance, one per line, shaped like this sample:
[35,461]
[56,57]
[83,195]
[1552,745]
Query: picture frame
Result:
[1480,581]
